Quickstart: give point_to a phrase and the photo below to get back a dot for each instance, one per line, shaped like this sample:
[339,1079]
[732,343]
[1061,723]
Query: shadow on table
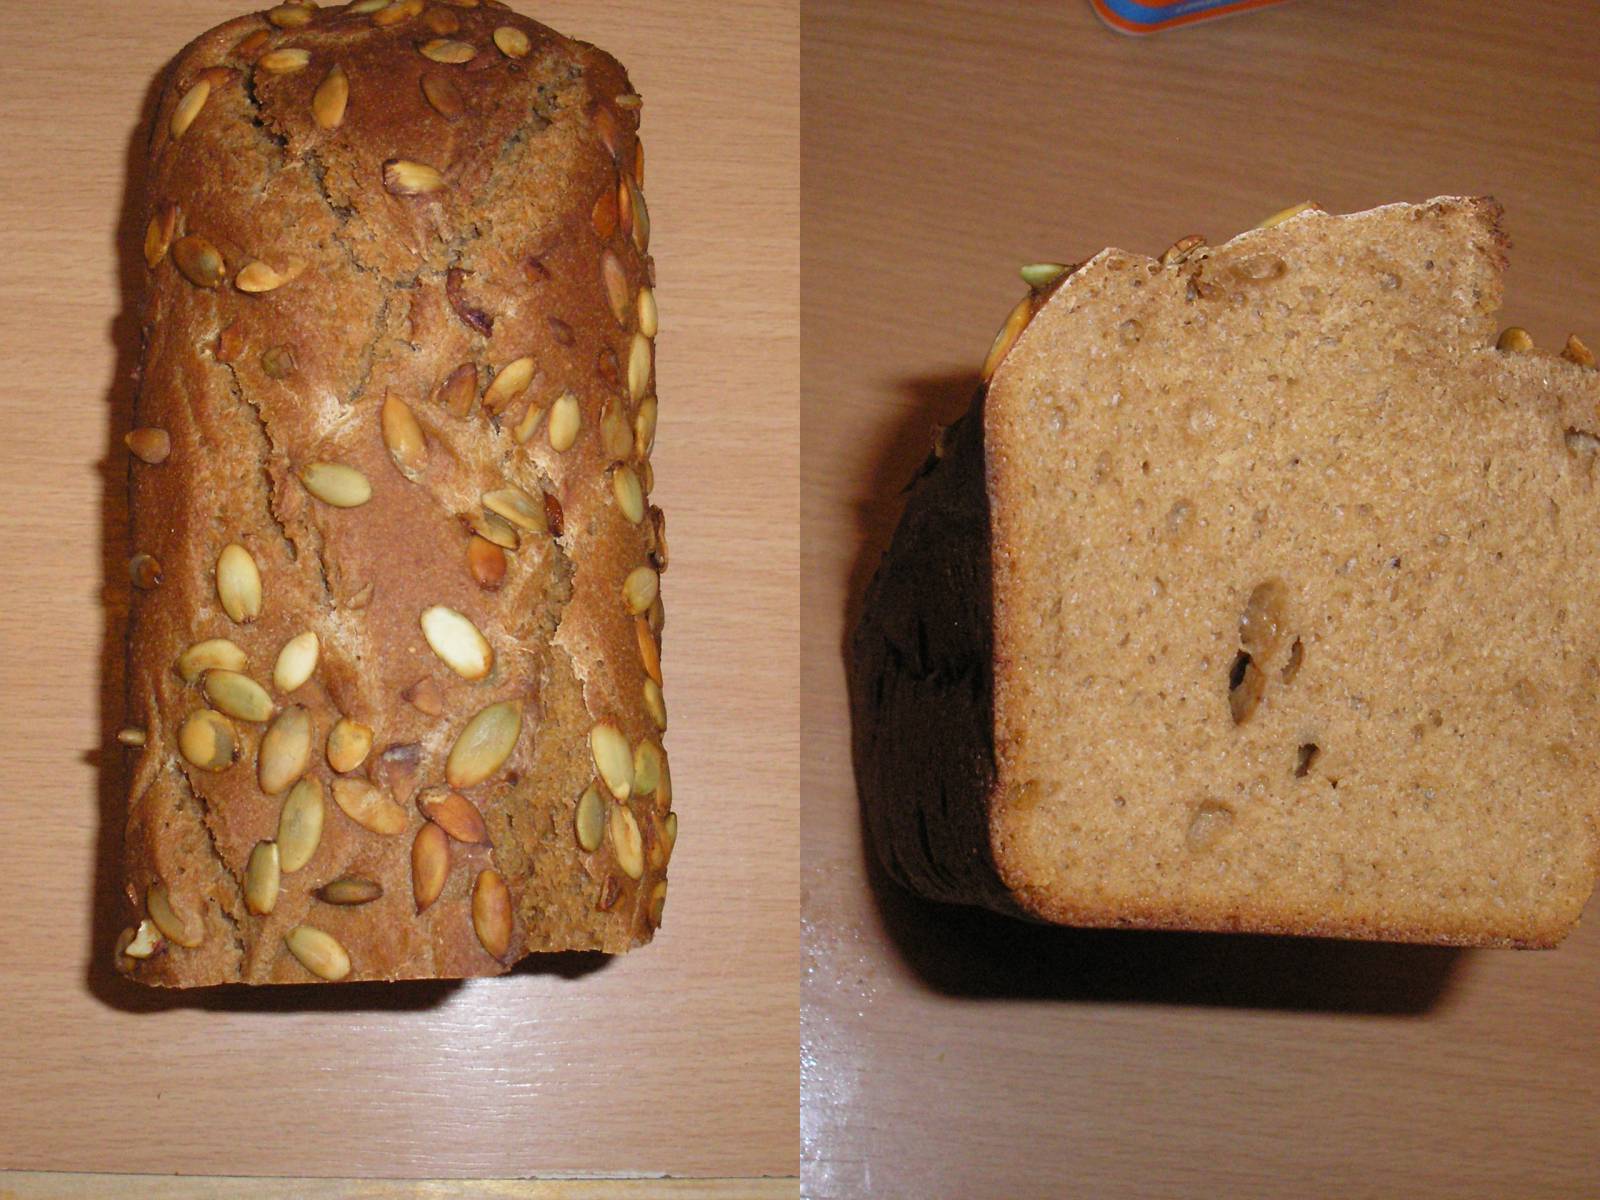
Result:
[109,758]
[974,953]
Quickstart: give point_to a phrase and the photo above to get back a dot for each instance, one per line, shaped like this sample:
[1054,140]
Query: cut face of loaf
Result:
[1292,580]
[394,675]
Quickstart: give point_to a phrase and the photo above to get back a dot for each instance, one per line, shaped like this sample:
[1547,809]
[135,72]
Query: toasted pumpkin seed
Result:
[189,107]
[484,744]
[349,890]
[251,44]
[613,758]
[647,761]
[285,752]
[566,419]
[445,97]
[669,830]
[639,589]
[443,50]
[131,735]
[399,10]
[261,878]
[336,484]
[629,100]
[658,903]
[149,444]
[589,822]
[199,261]
[615,439]
[285,60]
[369,807]
[362,7]
[318,952]
[639,367]
[349,743]
[641,216]
[403,177]
[453,813]
[615,277]
[175,929]
[626,842]
[511,381]
[277,362]
[1016,320]
[644,428]
[494,528]
[145,940]
[291,16]
[158,234]
[209,654]
[330,99]
[238,584]
[458,390]
[206,740]
[1041,275]
[237,695]
[300,825]
[517,507]
[486,562]
[403,435]
[630,496]
[1576,352]
[513,43]
[655,704]
[441,20]
[256,276]
[145,571]
[297,661]
[649,652]
[647,312]
[456,640]
[430,864]
[491,912]
[425,696]
[1515,339]
[1282,215]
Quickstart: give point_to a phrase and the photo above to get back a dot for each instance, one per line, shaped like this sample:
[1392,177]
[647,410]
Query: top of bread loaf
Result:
[401,317]
[1294,591]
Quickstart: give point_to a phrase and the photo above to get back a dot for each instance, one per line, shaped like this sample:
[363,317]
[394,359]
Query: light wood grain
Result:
[950,1054]
[679,1059]
[56,1185]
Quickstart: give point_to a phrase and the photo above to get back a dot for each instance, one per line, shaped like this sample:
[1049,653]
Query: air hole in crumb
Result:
[1306,755]
[1246,682]
[1236,672]
[1297,655]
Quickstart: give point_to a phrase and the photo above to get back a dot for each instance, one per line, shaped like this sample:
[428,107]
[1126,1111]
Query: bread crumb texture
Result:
[399,609]
[1293,595]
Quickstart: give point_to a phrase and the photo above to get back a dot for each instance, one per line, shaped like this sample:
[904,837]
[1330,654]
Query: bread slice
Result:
[1262,593]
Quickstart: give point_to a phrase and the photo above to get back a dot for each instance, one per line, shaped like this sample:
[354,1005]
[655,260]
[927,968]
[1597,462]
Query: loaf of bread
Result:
[393,682]
[1260,591]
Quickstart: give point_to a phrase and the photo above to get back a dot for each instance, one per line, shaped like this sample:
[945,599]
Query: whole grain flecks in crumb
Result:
[388,505]
[1256,593]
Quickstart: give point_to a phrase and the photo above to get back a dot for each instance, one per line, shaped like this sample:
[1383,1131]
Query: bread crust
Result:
[394,300]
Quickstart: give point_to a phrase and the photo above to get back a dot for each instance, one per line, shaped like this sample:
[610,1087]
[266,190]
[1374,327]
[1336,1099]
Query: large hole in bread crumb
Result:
[1304,758]
[1246,682]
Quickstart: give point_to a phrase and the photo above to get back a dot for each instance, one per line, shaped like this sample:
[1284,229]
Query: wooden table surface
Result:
[948,1053]
[679,1059]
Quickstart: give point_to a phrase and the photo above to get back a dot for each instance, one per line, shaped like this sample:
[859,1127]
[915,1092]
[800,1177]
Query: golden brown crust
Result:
[358,208]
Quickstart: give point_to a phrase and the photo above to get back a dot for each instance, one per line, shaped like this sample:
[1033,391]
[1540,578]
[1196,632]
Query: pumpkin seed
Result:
[349,890]
[443,50]
[297,661]
[318,952]
[638,367]
[285,752]
[261,877]
[430,864]
[639,589]
[403,435]
[237,695]
[206,739]
[484,744]
[209,654]
[565,421]
[175,929]
[368,807]
[491,912]
[513,43]
[453,813]
[336,484]
[403,177]
[285,60]
[189,108]
[630,496]
[655,704]
[456,640]
[330,99]
[300,825]
[199,261]
[647,312]
[613,758]
[590,820]
[349,743]
[626,842]
[238,584]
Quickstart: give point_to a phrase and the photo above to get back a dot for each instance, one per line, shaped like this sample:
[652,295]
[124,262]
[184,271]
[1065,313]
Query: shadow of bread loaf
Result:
[1257,593]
